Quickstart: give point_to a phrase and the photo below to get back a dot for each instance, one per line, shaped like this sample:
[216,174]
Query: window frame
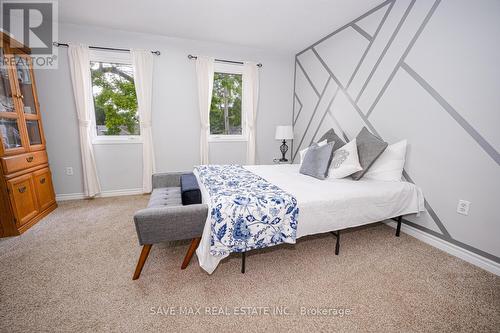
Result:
[230,69]
[110,57]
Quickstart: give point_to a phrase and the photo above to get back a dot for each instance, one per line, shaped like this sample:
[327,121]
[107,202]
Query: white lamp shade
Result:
[284,133]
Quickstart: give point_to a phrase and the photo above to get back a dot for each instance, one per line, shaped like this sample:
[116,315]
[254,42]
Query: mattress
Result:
[328,205]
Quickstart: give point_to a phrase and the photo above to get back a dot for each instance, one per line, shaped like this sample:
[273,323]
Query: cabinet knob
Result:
[42,181]
[29,159]
[22,189]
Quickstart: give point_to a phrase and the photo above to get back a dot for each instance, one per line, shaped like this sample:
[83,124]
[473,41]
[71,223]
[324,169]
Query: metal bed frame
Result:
[337,243]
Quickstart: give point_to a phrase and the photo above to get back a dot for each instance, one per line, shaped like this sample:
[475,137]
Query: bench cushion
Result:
[190,190]
[165,196]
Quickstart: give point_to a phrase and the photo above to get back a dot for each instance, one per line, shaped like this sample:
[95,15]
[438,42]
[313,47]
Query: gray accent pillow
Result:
[317,161]
[330,136]
[370,148]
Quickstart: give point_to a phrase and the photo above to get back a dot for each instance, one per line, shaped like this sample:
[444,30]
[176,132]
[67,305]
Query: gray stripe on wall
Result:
[312,117]
[307,77]
[485,145]
[345,136]
[324,115]
[338,125]
[346,25]
[454,241]
[358,110]
[429,209]
[300,109]
[386,48]
[361,32]
[403,57]
[387,12]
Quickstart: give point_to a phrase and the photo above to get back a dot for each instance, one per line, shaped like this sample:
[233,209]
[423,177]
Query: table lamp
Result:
[284,133]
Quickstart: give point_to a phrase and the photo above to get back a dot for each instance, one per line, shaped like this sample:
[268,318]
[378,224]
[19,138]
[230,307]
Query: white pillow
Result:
[389,166]
[304,151]
[345,161]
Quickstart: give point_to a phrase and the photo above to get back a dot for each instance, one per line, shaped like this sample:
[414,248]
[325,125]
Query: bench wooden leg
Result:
[194,245]
[142,259]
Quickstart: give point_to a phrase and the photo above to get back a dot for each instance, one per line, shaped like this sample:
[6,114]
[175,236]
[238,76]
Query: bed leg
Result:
[243,257]
[337,244]
[398,228]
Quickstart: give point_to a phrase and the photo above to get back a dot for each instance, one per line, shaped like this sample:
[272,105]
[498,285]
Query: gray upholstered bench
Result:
[166,219]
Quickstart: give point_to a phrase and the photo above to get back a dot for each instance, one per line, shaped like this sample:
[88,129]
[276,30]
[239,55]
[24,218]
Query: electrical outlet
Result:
[69,171]
[463,207]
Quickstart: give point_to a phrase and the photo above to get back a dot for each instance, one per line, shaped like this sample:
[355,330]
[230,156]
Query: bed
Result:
[327,205]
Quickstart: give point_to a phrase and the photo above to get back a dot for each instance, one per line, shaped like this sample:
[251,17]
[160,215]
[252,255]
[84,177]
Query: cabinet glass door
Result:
[9,133]
[33,129]
[25,81]
[29,103]
[12,139]
[6,101]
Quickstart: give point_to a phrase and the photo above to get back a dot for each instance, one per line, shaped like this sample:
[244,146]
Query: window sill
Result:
[227,138]
[116,140]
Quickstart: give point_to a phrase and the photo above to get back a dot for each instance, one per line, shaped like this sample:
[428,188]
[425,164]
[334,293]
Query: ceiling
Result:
[281,25]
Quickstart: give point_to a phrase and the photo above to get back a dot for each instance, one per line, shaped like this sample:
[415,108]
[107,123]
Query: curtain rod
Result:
[103,48]
[191,57]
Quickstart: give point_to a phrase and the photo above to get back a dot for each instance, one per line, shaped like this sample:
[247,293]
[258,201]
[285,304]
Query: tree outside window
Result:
[225,110]
[115,100]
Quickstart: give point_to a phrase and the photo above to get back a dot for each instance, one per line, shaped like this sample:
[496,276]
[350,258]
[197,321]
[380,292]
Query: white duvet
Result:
[327,205]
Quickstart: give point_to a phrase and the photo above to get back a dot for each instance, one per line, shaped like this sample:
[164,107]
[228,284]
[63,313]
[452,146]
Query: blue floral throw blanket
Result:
[247,212]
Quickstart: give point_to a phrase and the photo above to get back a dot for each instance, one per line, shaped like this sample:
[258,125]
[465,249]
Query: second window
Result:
[226,116]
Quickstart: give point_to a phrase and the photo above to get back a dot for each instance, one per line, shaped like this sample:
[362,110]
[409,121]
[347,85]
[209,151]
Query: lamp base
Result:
[283,149]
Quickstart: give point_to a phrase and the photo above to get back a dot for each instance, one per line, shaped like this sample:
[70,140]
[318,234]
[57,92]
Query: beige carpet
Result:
[72,273]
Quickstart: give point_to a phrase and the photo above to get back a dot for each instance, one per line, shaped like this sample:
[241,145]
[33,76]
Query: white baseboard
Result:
[119,193]
[103,194]
[69,196]
[450,248]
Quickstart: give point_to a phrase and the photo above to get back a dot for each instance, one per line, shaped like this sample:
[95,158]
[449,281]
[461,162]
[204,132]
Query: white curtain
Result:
[250,105]
[79,64]
[142,62]
[205,75]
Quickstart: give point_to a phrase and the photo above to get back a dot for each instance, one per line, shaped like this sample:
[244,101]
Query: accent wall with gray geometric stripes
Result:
[427,71]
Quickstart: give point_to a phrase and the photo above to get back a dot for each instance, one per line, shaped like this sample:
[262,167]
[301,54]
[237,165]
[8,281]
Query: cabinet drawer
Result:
[44,189]
[20,162]
[23,198]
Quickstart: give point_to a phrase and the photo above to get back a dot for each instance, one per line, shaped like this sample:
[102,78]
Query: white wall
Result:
[439,88]
[175,113]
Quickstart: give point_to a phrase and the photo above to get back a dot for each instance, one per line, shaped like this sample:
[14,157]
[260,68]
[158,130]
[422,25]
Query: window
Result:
[114,97]
[226,116]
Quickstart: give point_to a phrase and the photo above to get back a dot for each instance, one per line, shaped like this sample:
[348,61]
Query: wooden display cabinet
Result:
[26,189]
